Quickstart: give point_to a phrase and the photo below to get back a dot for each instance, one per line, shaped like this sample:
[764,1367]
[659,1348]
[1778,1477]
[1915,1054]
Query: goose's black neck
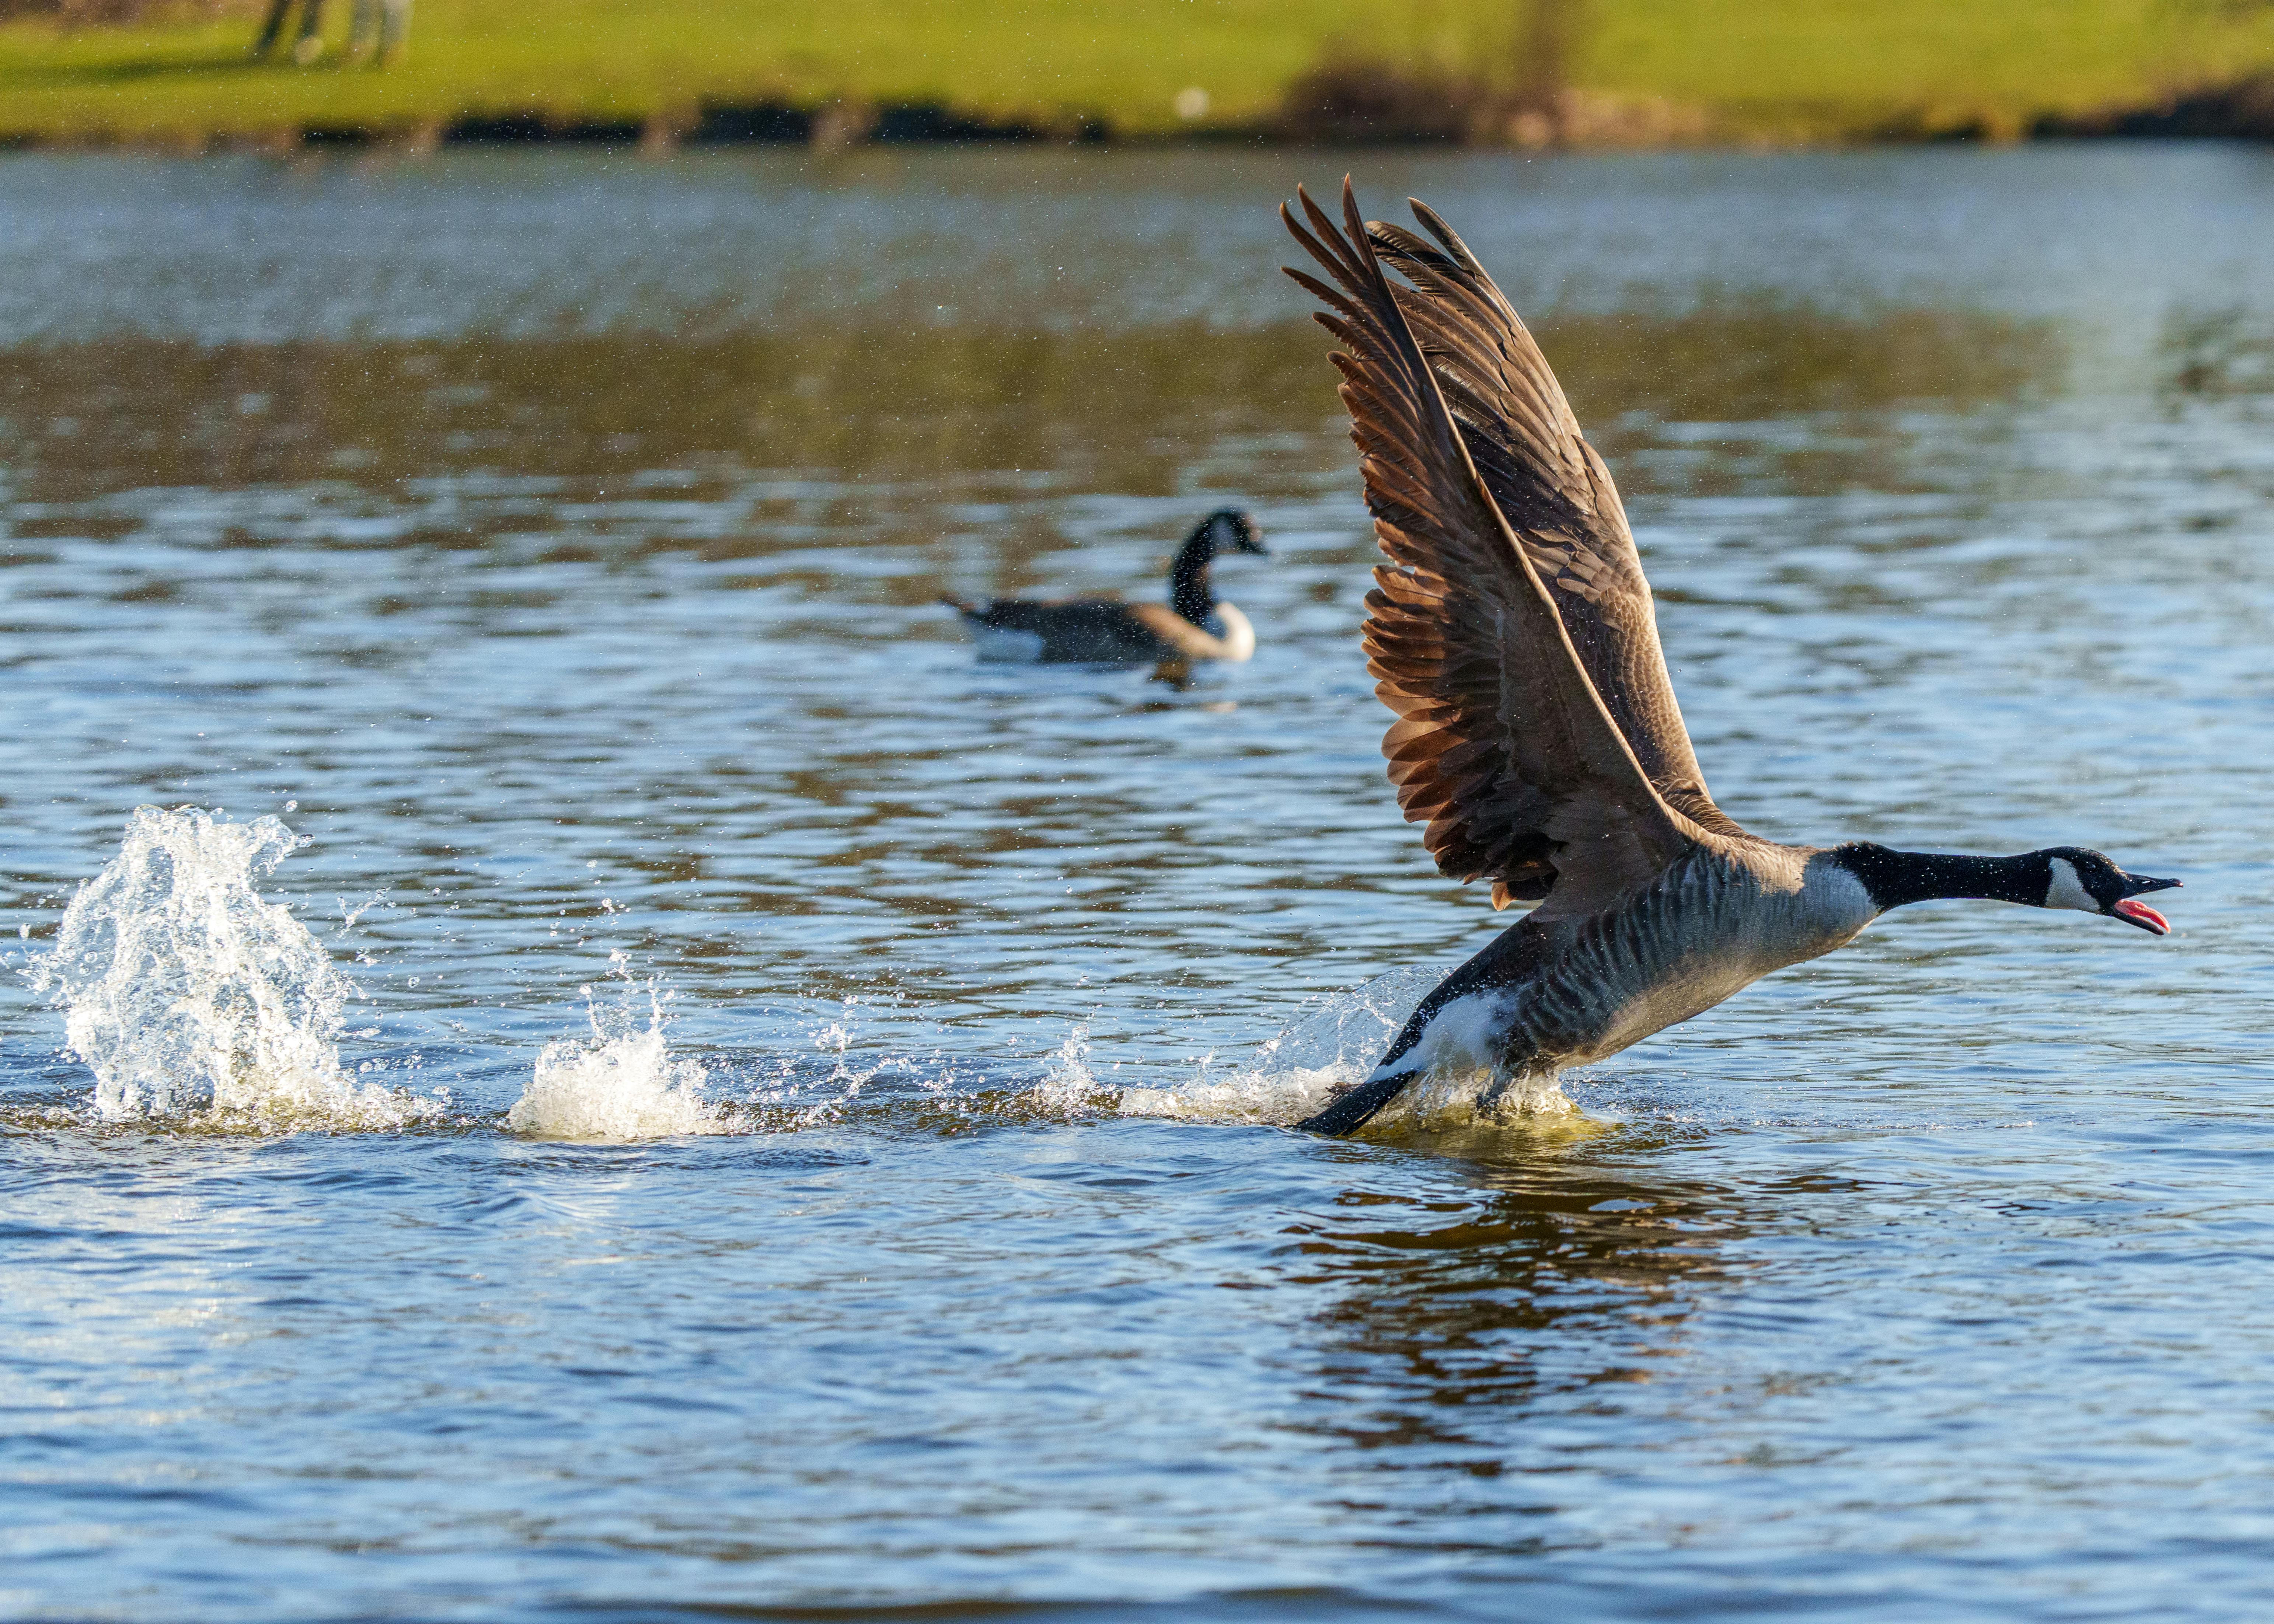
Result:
[1190,595]
[1895,878]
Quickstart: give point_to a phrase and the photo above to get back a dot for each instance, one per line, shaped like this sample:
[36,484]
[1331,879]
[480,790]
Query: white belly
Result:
[1466,1036]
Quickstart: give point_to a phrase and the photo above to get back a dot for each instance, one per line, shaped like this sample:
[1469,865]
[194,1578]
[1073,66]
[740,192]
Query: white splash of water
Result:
[621,1082]
[1455,1099]
[790,1093]
[1294,1075]
[1281,1098]
[186,993]
[1068,1087]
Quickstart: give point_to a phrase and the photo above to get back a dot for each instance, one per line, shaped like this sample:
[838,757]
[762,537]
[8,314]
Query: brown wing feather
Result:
[1553,491]
[1501,745]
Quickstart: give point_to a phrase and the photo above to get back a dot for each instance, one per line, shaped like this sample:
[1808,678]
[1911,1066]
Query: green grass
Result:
[1846,66]
[1803,67]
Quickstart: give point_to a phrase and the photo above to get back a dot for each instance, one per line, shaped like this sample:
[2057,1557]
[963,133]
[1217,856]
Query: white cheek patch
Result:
[2069,892]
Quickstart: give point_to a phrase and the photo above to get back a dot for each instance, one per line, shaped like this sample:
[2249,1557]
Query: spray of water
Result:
[1068,1087]
[1294,1074]
[190,995]
[826,1070]
[193,998]
[618,1080]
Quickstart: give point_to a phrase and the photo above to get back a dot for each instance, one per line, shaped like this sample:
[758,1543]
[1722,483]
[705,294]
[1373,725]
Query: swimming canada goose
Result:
[1536,732]
[1194,624]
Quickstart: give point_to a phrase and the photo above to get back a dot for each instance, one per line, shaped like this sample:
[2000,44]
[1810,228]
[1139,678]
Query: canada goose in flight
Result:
[1536,733]
[1193,625]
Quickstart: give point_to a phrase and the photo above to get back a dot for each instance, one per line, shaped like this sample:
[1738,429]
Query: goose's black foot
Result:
[1353,1110]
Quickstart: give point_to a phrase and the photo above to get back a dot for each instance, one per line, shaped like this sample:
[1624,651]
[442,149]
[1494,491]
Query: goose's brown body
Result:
[1551,992]
[1536,733]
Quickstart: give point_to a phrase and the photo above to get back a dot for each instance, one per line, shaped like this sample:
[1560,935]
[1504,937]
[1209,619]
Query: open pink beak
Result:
[2133,911]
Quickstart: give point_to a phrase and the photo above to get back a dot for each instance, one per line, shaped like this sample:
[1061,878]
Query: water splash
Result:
[1294,1074]
[1068,1087]
[1443,1101]
[829,1069]
[620,1082]
[190,995]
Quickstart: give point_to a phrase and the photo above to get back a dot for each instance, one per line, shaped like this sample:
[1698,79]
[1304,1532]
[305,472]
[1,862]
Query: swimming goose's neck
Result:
[1895,878]
[1190,595]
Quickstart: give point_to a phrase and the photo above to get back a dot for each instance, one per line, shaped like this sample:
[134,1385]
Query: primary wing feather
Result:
[1553,489]
[1501,745]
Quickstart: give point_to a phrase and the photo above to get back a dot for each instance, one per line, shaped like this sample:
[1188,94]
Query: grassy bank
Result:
[1776,68]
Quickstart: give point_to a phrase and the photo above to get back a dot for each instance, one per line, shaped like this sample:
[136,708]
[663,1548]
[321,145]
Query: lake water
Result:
[704,1141]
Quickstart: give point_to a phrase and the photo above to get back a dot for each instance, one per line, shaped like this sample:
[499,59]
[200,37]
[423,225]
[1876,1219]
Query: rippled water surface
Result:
[718,1194]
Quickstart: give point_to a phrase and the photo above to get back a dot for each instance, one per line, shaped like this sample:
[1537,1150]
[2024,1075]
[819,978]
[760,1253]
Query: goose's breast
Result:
[1232,629]
[1706,935]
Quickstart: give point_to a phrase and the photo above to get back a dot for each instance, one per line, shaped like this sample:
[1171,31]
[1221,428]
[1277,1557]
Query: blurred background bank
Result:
[190,74]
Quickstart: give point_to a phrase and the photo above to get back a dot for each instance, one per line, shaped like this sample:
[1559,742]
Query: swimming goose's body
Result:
[1193,625]
[1537,733]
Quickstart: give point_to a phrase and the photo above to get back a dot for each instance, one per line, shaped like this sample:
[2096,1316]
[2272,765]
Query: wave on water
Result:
[191,997]
[1294,1074]
[621,1081]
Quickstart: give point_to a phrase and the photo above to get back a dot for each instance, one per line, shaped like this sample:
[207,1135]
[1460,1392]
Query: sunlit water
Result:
[708,1100]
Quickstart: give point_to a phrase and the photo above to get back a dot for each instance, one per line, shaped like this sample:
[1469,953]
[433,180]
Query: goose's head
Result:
[1228,529]
[2089,883]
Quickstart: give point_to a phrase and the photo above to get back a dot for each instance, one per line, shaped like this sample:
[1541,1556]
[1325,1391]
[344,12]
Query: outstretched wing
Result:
[1553,491]
[1501,744]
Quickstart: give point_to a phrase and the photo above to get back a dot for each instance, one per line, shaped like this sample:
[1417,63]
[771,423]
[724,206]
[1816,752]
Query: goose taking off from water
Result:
[1536,733]
[1194,624]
